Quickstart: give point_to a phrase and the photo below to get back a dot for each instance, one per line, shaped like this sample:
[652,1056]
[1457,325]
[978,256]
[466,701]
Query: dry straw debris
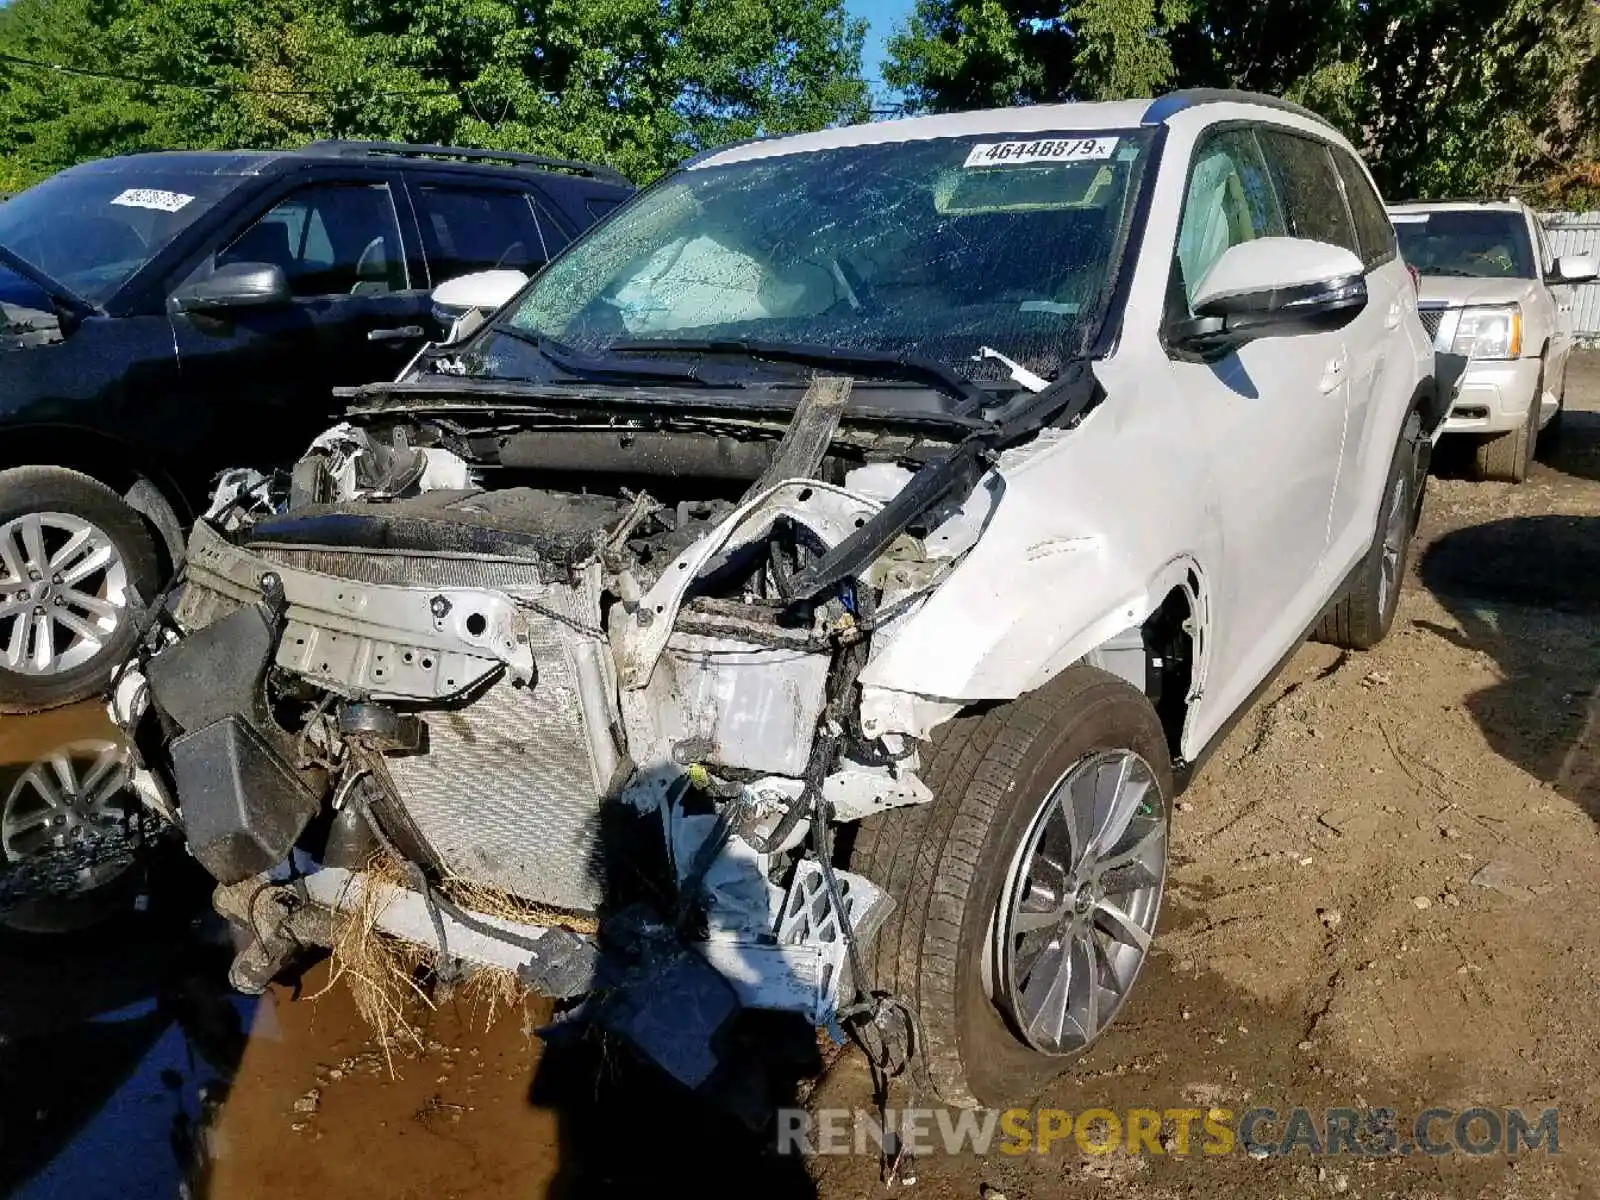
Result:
[395,984]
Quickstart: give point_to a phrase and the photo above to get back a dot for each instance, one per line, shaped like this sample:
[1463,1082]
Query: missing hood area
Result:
[601,670]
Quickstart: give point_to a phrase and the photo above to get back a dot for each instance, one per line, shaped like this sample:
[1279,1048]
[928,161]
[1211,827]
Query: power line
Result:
[208,88]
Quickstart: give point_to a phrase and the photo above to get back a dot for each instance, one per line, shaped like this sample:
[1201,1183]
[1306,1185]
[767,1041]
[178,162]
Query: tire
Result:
[1364,615]
[64,505]
[1508,457]
[949,866]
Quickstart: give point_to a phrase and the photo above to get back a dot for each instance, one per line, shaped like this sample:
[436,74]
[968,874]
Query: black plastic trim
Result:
[957,474]
[1109,331]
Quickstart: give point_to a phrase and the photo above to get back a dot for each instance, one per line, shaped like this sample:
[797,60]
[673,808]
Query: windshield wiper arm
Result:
[573,362]
[881,363]
[46,283]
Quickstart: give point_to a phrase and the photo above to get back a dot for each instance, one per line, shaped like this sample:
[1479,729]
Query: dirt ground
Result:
[1385,891]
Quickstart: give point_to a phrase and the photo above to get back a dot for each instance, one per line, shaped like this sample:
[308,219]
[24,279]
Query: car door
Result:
[1562,297]
[481,226]
[1270,413]
[1327,196]
[356,316]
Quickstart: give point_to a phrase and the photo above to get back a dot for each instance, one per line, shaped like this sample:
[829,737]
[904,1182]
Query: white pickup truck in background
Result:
[1492,290]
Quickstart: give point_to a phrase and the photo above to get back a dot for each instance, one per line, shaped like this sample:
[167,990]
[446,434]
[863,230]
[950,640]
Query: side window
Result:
[479,229]
[1373,227]
[1313,204]
[601,206]
[1230,200]
[330,240]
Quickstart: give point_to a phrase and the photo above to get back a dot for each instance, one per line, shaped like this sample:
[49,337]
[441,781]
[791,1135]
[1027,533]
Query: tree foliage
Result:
[637,83]
[1445,96]
[957,54]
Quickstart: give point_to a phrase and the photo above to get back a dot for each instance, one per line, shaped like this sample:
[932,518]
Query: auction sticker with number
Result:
[152,198]
[1042,150]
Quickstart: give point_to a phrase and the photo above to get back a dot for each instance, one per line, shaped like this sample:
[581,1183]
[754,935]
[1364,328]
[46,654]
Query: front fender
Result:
[1070,596]
[1093,529]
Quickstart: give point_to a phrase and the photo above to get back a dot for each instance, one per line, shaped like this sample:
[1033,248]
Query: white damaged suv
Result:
[855,543]
[1492,290]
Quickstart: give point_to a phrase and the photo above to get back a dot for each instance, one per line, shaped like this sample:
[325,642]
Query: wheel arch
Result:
[1163,655]
[145,486]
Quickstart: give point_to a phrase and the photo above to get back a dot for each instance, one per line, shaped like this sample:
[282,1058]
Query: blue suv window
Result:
[330,240]
[480,229]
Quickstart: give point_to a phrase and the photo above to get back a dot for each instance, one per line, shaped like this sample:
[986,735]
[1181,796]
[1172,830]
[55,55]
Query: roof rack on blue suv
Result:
[354,149]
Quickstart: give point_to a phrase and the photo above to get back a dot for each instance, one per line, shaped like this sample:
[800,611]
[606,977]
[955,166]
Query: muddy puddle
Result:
[113,1029]
[128,1068]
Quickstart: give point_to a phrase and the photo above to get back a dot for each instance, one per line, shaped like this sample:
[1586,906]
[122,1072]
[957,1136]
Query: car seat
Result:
[372,269]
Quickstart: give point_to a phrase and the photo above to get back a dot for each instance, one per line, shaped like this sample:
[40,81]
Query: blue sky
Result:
[882,16]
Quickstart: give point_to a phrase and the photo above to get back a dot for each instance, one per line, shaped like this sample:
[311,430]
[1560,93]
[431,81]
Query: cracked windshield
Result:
[935,249]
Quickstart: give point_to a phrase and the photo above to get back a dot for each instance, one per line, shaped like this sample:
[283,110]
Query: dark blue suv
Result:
[163,316]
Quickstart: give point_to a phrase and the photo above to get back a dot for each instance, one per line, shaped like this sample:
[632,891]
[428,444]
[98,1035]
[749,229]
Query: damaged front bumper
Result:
[526,707]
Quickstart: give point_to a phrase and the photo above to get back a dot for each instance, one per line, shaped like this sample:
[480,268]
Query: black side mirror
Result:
[235,285]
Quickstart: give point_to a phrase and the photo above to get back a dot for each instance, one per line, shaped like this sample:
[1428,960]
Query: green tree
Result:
[957,54]
[1445,96]
[637,83]
[48,122]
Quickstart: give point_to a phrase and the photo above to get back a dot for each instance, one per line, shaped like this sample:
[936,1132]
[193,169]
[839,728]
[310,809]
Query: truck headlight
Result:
[1489,332]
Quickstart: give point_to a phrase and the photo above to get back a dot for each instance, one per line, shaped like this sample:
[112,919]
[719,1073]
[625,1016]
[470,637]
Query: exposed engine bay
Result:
[609,668]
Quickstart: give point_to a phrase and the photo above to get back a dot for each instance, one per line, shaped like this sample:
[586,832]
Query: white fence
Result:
[1579,233]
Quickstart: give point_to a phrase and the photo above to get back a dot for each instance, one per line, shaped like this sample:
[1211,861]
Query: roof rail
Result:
[355,149]
[694,160]
[1463,200]
[1163,108]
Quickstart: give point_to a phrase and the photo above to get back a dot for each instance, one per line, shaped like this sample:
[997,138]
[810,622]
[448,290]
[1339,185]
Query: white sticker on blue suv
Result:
[152,198]
[1041,150]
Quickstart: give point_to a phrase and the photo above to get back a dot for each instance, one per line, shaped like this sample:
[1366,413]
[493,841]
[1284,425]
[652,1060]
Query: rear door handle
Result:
[1396,311]
[403,333]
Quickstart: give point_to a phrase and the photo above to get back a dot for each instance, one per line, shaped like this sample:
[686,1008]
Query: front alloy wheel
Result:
[1029,887]
[1079,908]
[77,565]
[63,592]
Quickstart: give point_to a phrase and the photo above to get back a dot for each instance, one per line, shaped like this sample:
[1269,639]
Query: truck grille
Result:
[1431,319]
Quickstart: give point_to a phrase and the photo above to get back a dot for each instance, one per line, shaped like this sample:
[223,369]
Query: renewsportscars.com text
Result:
[1259,1132]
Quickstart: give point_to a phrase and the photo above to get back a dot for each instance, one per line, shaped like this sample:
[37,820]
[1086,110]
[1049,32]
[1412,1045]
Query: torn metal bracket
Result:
[854,792]
[805,442]
[810,920]
[829,511]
